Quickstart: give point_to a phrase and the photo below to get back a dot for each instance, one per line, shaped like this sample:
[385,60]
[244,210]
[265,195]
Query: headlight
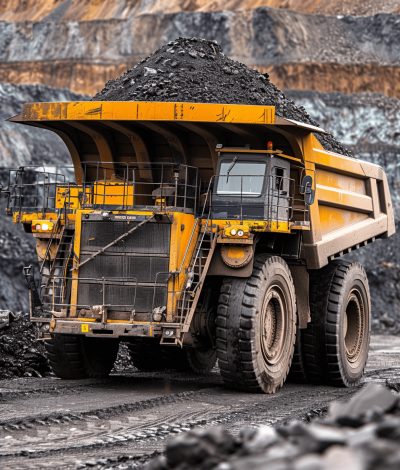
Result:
[38,227]
[240,233]
[45,227]
[233,232]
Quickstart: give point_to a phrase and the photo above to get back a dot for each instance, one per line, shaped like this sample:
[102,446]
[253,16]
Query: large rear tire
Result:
[297,373]
[256,327]
[77,357]
[336,341]
[146,354]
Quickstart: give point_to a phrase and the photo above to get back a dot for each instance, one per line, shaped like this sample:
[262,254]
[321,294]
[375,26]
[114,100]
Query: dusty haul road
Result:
[50,423]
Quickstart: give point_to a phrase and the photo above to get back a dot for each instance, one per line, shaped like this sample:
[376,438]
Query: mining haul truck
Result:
[194,232]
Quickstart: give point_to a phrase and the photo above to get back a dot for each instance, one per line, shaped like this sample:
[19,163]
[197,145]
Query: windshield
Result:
[245,177]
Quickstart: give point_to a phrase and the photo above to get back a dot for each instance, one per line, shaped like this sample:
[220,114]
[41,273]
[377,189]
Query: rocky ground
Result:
[128,418]
[360,434]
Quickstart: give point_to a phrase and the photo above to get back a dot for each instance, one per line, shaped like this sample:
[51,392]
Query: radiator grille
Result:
[125,266]
[152,238]
[140,255]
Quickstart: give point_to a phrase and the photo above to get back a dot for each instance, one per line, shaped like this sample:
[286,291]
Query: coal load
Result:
[197,71]
[20,354]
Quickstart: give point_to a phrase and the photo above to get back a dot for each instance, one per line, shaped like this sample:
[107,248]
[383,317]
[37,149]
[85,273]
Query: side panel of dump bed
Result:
[352,205]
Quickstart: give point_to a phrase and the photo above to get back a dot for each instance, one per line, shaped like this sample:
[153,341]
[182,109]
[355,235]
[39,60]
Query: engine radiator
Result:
[140,255]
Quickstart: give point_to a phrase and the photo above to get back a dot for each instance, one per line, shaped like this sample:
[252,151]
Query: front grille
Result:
[152,238]
[144,268]
[140,255]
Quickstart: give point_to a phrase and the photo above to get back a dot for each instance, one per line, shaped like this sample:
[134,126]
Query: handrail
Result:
[53,232]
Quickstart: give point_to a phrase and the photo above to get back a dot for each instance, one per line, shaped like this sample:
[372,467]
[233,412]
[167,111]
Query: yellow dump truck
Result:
[195,232]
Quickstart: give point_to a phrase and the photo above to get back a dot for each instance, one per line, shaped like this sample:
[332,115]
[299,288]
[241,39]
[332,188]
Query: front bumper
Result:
[110,329]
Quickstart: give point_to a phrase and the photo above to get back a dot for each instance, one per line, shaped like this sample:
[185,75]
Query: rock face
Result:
[23,145]
[195,70]
[84,10]
[304,50]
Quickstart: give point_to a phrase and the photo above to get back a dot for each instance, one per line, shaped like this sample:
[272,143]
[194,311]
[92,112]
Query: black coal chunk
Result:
[197,71]
[20,354]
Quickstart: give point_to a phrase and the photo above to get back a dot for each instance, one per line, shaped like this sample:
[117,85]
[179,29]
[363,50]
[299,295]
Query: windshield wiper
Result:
[230,168]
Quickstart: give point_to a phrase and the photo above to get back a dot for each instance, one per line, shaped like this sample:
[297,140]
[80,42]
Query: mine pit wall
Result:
[89,78]
[83,10]
[325,53]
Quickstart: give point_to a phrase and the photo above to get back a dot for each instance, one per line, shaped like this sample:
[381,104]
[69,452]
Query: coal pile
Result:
[197,71]
[20,354]
[123,363]
[360,434]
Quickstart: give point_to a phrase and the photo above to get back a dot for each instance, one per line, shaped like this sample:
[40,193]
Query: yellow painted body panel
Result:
[254,225]
[179,243]
[148,111]
[334,218]
[71,196]
[29,217]
[340,181]
[113,194]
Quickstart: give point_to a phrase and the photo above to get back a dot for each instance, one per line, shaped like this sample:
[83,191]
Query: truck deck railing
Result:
[54,295]
[149,186]
[118,186]
[38,187]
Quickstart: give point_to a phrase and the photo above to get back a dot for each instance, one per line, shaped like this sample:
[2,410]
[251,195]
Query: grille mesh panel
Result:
[143,268]
[150,238]
[141,255]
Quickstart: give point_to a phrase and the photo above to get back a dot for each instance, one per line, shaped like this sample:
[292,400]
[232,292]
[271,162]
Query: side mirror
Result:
[306,189]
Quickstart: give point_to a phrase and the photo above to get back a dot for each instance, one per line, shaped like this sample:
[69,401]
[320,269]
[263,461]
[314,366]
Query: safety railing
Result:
[127,185]
[41,187]
[55,294]
[112,185]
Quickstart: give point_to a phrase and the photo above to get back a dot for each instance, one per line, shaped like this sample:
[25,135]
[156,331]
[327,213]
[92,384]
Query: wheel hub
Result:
[353,325]
[273,325]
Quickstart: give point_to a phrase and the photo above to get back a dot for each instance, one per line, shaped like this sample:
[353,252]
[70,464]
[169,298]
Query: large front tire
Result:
[336,341]
[197,360]
[256,327]
[77,357]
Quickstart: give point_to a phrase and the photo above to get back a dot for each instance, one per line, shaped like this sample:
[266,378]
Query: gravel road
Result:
[49,423]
